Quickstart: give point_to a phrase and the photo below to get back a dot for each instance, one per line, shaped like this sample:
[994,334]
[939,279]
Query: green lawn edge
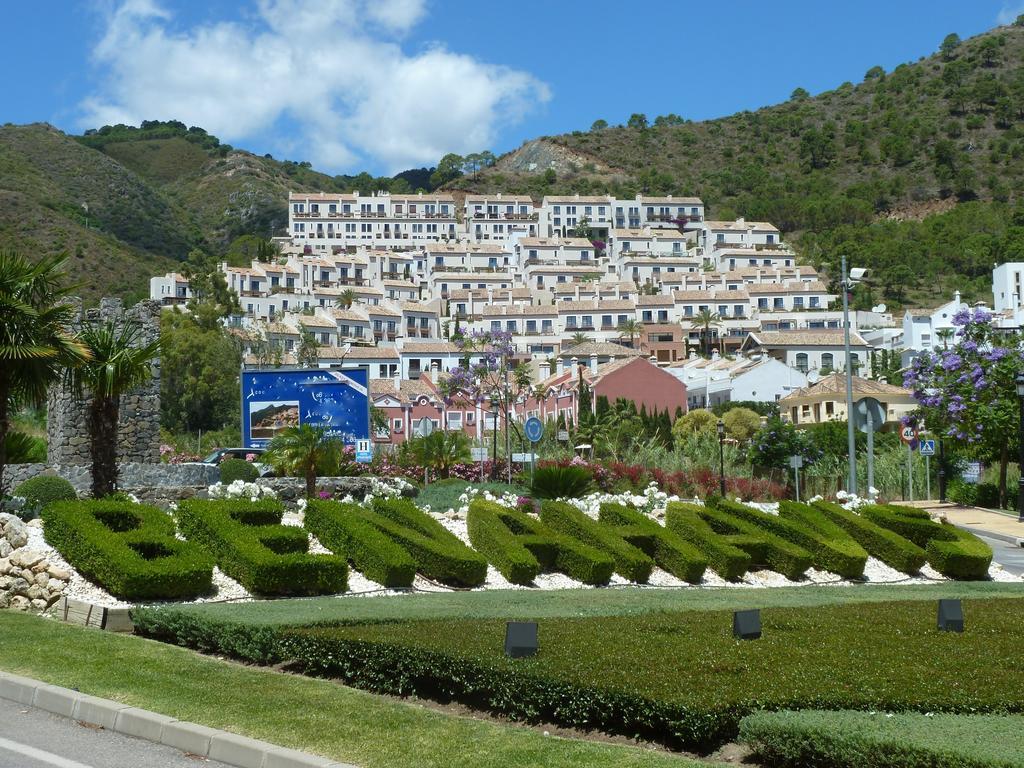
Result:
[612,601]
[313,715]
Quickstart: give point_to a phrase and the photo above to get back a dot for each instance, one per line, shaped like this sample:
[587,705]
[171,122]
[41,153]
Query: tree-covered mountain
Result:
[916,173]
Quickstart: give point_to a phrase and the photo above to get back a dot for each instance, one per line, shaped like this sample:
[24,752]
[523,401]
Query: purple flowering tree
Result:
[968,392]
[488,371]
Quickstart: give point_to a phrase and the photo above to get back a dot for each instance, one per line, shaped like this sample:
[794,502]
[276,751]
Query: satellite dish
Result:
[879,308]
[813,377]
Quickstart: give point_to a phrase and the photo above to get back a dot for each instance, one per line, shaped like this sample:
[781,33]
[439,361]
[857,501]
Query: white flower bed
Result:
[651,501]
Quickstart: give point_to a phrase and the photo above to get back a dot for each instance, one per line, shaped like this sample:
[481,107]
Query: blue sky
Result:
[382,85]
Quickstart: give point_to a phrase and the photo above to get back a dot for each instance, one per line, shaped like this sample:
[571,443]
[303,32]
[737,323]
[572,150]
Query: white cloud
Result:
[336,69]
[1009,13]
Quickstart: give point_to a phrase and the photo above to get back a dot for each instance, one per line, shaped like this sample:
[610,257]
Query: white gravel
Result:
[226,588]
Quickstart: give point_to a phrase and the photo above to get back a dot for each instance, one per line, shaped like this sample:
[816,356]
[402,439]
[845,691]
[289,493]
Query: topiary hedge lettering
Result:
[724,554]
[250,545]
[889,547]
[670,551]
[765,547]
[952,551]
[128,549]
[520,546]
[630,563]
[834,551]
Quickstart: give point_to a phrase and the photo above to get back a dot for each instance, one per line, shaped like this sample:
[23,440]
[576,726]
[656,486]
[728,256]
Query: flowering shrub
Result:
[170,456]
[239,489]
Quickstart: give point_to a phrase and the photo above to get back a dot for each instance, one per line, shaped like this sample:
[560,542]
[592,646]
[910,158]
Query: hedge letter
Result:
[669,550]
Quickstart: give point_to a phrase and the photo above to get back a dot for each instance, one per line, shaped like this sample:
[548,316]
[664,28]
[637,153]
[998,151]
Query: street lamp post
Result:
[849,279]
[721,457]
[494,433]
[1020,454]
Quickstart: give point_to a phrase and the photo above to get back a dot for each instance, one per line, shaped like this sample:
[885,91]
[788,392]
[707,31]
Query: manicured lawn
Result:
[885,740]
[683,674]
[293,711]
[575,602]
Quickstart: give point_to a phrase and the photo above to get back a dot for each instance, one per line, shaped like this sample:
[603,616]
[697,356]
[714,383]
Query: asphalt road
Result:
[31,738]
[1007,555]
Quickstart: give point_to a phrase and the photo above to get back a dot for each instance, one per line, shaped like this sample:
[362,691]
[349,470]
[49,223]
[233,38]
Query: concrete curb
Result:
[199,740]
[1016,541]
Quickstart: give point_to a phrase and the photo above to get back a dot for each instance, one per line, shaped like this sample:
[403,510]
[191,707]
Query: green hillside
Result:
[879,169]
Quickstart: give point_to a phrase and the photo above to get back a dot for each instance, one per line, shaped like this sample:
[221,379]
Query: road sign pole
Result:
[910,472]
[871,452]
[928,477]
[796,471]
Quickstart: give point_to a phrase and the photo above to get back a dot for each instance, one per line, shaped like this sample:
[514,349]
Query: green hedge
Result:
[723,553]
[520,546]
[889,547]
[238,469]
[41,490]
[630,562]
[670,551]
[952,551]
[768,548]
[832,548]
[344,529]
[244,640]
[128,549]
[437,552]
[251,546]
[850,739]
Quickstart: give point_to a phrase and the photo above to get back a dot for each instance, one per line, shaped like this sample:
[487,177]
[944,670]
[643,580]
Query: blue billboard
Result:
[337,399]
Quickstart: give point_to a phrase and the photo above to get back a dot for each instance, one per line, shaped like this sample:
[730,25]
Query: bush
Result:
[561,482]
[438,553]
[891,548]
[671,552]
[765,547]
[344,529]
[724,555]
[987,495]
[952,551]
[250,545]
[630,563]
[520,546]
[959,492]
[238,639]
[238,469]
[442,495]
[128,549]
[850,739]
[832,548]
[41,490]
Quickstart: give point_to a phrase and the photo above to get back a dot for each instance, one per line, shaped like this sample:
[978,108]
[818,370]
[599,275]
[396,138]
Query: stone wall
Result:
[139,430]
[143,480]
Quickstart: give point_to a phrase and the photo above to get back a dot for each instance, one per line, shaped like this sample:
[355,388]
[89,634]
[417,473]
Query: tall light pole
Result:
[495,410]
[849,279]
[721,457]
[1020,456]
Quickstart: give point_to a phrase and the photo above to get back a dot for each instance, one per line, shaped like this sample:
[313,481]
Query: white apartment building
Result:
[1007,293]
[560,215]
[170,289]
[659,212]
[500,218]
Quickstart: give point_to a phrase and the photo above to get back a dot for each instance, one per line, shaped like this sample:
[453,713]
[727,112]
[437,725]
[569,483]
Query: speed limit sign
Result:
[908,434]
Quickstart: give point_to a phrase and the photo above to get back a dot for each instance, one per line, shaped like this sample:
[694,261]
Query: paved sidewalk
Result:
[985,522]
[196,741]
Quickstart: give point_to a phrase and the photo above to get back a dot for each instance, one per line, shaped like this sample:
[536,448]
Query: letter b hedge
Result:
[128,549]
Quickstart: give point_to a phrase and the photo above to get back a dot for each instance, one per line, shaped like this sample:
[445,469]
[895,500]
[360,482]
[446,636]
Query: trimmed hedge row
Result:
[952,551]
[834,551]
[724,553]
[128,549]
[889,547]
[256,643]
[344,529]
[851,739]
[630,563]
[520,546]
[670,551]
[251,546]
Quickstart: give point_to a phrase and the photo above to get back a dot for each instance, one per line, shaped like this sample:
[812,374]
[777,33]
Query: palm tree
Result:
[119,361]
[440,450]
[36,347]
[347,298]
[707,320]
[300,450]
[309,352]
[579,338]
[945,334]
[632,329]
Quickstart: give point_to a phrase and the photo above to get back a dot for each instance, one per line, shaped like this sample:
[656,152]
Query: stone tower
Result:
[139,430]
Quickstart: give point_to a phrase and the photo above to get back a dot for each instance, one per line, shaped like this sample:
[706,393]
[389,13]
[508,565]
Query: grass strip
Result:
[293,711]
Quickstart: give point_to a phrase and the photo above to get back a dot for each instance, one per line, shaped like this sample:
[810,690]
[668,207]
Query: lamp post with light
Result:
[721,457]
[847,281]
[494,433]
[1020,455]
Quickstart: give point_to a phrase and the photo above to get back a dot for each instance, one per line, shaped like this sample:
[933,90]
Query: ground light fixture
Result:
[746,625]
[951,616]
[721,457]
[1020,440]
[520,639]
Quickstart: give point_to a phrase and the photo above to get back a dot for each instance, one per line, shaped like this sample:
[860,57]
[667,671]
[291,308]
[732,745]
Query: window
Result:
[770,239]
[454,420]
[801,362]
[719,238]
[827,362]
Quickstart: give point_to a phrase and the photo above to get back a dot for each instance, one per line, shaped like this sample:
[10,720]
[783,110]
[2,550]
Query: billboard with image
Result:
[337,399]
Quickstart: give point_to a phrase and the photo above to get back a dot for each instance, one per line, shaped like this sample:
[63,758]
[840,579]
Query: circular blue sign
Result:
[534,429]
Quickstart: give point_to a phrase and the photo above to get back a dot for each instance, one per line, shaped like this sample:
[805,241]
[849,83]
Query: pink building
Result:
[406,402]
